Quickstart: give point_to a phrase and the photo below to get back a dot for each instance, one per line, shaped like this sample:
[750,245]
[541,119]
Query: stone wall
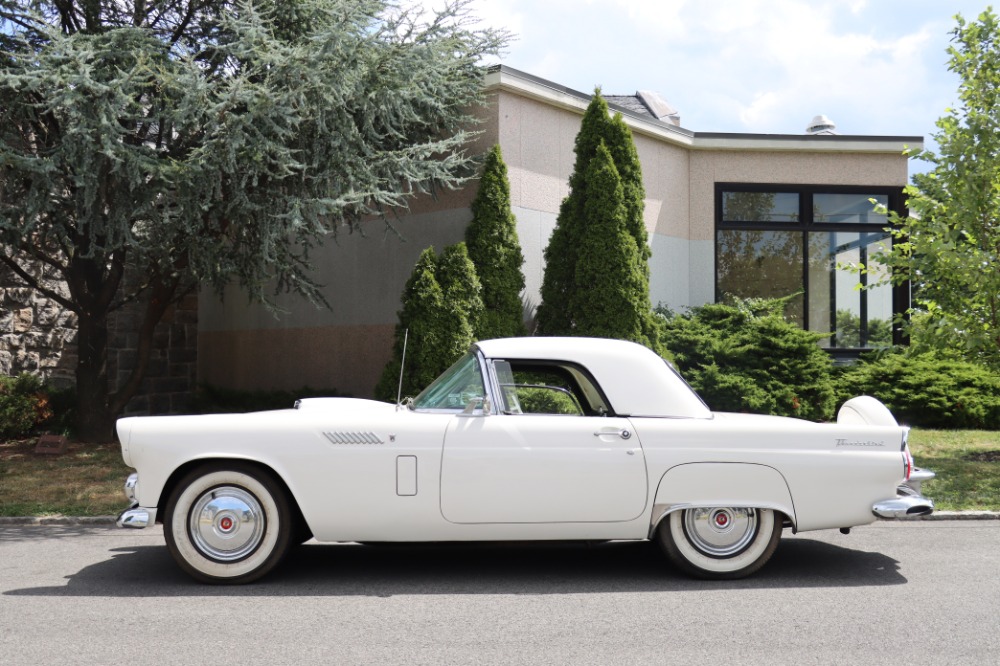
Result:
[38,336]
[171,375]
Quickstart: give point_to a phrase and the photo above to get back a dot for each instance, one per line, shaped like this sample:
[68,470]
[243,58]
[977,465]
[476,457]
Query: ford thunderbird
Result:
[521,439]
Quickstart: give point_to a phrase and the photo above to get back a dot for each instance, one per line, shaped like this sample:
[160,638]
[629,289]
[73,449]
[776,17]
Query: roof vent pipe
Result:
[821,125]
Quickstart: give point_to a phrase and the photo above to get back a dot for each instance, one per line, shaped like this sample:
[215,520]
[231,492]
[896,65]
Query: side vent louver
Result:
[353,438]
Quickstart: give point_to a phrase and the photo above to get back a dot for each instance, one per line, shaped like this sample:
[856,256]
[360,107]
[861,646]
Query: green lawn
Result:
[967,463]
[87,479]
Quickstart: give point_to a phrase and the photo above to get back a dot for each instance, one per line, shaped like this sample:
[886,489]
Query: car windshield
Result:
[454,389]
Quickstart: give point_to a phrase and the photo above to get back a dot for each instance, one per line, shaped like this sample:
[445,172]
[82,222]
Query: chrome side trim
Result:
[136,517]
[904,506]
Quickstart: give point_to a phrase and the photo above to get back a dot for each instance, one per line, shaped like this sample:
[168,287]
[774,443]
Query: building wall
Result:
[38,335]
[346,347]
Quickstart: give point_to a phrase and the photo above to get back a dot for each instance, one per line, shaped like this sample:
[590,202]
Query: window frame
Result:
[571,367]
[805,225]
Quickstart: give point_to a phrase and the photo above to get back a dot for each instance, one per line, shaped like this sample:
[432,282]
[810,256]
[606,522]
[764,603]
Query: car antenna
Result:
[402,367]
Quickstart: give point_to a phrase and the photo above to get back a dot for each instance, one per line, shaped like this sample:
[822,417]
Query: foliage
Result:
[495,250]
[849,330]
[24,405]
[745,356]
[214,142]
[572,252]
[210,399]
[608,259]
[950,246]
[440,304]
[463,300]
[928,390]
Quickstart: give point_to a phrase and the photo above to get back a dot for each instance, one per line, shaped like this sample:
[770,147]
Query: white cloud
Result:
[748,65]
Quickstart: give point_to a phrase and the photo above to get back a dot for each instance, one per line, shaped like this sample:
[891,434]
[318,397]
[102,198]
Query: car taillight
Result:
[907,464]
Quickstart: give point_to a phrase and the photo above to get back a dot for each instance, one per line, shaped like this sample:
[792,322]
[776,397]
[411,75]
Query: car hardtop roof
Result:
[636,380]
[562,348]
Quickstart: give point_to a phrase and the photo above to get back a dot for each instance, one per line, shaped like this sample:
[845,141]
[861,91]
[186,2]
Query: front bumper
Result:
[908,501]
[135,516]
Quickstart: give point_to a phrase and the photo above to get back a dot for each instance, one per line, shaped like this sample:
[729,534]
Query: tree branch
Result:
[31,282]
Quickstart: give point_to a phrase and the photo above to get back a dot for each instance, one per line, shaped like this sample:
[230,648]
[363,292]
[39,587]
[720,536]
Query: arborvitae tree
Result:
[608,259]
[211,143]
[422,313]
[554,315]
[495,250]
[557,315]
[463,301]
[441,301]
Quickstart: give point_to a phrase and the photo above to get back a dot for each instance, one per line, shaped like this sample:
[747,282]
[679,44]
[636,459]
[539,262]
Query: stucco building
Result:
[747,214]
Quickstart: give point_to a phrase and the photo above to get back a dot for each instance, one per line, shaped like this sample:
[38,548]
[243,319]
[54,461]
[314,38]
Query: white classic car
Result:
[521,439]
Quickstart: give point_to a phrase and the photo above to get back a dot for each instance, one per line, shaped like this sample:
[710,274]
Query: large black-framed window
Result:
[776,241]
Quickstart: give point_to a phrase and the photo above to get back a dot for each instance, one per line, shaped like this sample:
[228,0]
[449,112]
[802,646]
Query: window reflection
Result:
[773,244]
[760,206]
[854,317]
[761,264]
[848,208]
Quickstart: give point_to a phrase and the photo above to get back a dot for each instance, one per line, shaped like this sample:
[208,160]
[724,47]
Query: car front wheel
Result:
[228,523]
[720,542]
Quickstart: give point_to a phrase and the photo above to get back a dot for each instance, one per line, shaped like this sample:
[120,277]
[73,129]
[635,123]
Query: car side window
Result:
[532,387]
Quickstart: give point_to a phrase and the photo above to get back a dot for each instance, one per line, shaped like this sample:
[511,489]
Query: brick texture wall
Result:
[38,336]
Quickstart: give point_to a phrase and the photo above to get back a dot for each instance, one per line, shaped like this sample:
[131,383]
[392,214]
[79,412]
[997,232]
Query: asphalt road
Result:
[914,593]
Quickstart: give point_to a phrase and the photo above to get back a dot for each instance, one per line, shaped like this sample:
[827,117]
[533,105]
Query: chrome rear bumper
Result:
[908,501]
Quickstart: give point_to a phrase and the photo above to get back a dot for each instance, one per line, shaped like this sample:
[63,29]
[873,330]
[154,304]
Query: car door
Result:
[541,468]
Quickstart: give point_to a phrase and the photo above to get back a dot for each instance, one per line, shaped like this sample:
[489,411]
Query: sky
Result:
[874,67]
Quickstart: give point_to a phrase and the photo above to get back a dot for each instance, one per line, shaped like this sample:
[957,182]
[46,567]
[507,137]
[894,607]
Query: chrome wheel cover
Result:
[720,532]
[226,523]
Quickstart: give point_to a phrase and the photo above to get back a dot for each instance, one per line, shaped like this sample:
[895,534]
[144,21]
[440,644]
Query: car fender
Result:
[711,484]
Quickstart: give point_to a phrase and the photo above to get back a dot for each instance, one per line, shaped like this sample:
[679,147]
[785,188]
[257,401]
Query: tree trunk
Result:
[94,421]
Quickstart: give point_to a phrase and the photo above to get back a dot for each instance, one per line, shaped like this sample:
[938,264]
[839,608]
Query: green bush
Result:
[606,189]
[745,357]
[441,306]
[495,250]
[928,390]
[24,405]
[208,399]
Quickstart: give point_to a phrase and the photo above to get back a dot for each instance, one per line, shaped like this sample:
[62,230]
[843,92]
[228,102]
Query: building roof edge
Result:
[503,77]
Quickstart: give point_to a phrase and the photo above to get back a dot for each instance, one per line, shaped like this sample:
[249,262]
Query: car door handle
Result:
[624,433]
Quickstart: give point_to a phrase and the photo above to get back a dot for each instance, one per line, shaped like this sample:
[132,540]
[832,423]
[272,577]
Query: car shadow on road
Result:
[425,569]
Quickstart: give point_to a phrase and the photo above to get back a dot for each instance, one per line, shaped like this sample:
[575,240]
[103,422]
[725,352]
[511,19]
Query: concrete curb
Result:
[110,520]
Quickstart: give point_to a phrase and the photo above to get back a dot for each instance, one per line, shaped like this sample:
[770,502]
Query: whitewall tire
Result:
[720,542]
[228,523]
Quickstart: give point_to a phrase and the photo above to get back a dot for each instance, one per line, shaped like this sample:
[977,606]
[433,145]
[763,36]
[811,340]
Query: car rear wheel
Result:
[228,523]
[720,542]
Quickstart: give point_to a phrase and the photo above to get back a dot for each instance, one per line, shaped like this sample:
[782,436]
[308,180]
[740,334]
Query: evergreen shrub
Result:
[441,305]
[24,405]
[745,357]
[495,250]
[928,390]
